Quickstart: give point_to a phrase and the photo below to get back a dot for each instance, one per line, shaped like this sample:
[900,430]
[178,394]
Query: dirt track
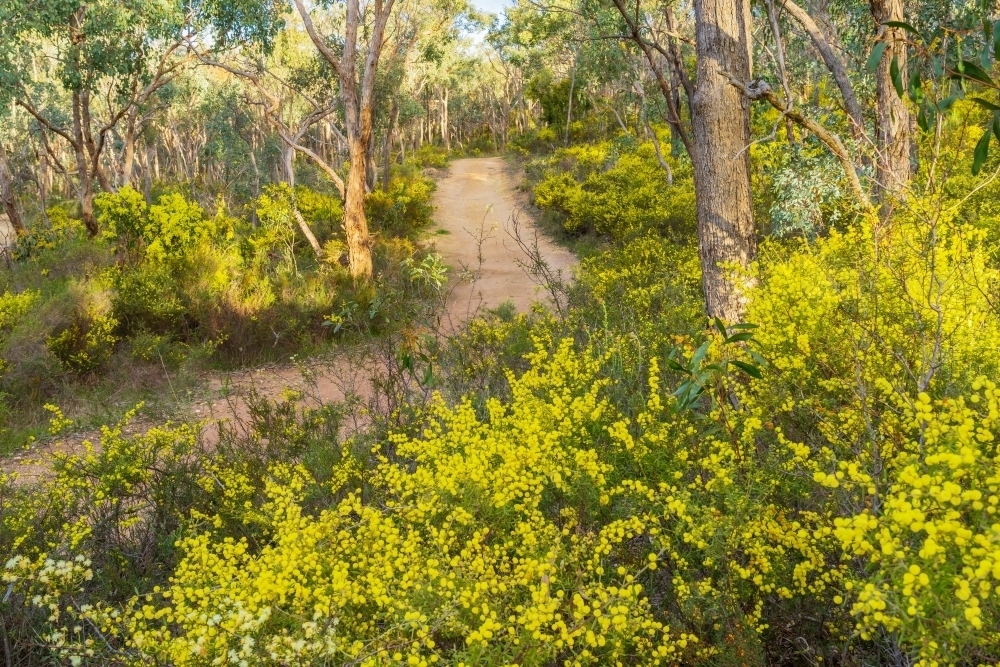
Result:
[478,200]
[476,204]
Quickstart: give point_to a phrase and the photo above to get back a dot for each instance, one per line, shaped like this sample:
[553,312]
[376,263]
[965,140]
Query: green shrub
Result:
[429,155]
[404,209]
[86,345]
[324,213]
[617,189]
[124,218]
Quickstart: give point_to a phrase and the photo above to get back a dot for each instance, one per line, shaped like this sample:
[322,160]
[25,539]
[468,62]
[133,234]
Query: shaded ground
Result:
[485,233]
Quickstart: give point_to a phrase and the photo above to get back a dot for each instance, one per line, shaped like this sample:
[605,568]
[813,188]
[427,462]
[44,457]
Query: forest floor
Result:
[485,232]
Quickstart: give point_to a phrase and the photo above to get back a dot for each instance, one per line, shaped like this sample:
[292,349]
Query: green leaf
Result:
[904,25]
[699,354]
[749,369]
[675,366]
[897,75]
[740,337]
[947,102]
[973,71]
[758,358]
[916,89]
[721,327]
[985,103]
[996,39]
[996,126]
[876,56]
[937,67]
[982,151]
[925,117]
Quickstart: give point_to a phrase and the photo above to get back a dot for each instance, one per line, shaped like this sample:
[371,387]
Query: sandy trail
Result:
[475,207]
[475,204]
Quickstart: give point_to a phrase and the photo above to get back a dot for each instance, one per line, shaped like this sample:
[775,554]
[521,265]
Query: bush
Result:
[616,189]
[614,484]
[86,344]
[430,155]
[405,208]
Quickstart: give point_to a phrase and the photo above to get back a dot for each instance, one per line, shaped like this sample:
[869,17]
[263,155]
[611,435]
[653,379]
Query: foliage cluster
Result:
[847,496]
[616,189]
[614,484]
[170,281]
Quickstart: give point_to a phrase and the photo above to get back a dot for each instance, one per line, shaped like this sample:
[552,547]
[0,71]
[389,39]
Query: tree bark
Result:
[358,117]
[147,176]
[44,183]
[445,134]
[779,55]
[569,102]
[288,171]
[892,117]
[833,63]
[85,189]
[387,146]
[721,129]
[7,194]
[128,150]
[358,241]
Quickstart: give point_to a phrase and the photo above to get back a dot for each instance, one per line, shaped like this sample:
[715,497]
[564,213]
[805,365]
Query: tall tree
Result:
[358,96]
[720,134]
[721,139]
[892,123]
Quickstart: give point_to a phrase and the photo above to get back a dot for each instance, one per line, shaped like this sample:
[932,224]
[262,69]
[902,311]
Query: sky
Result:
[494,6]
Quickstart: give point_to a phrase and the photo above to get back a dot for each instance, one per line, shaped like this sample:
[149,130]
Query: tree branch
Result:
[321,45]
[760,89]
[833,63]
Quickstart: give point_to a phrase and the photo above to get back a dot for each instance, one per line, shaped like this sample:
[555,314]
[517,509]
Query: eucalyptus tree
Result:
[719,127]
[357,94]
[7,196]
[78,68]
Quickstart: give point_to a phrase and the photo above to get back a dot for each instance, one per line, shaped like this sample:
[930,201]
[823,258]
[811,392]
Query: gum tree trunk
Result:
[892,131]
[7,194]
[721,136]
[86,187]
[358,98]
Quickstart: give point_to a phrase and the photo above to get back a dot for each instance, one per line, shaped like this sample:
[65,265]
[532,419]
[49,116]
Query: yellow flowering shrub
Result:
[822,488]
[475,552]
[616,189]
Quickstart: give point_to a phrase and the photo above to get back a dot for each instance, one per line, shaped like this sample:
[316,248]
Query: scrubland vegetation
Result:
[758,426]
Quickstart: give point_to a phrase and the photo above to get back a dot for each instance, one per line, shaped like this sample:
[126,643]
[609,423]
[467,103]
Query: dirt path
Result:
[476,206]
[479,212]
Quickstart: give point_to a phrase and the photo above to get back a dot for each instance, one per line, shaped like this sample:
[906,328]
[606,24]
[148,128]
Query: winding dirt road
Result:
[479,216]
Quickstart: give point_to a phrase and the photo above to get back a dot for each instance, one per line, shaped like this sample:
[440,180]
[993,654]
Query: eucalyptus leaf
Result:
[904,25]
[876,56]
[985,103]
[896,75]
[981,153]
[749,369]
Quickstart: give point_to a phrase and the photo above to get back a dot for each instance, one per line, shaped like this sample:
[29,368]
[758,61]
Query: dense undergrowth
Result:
[610,483]
[175,286]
